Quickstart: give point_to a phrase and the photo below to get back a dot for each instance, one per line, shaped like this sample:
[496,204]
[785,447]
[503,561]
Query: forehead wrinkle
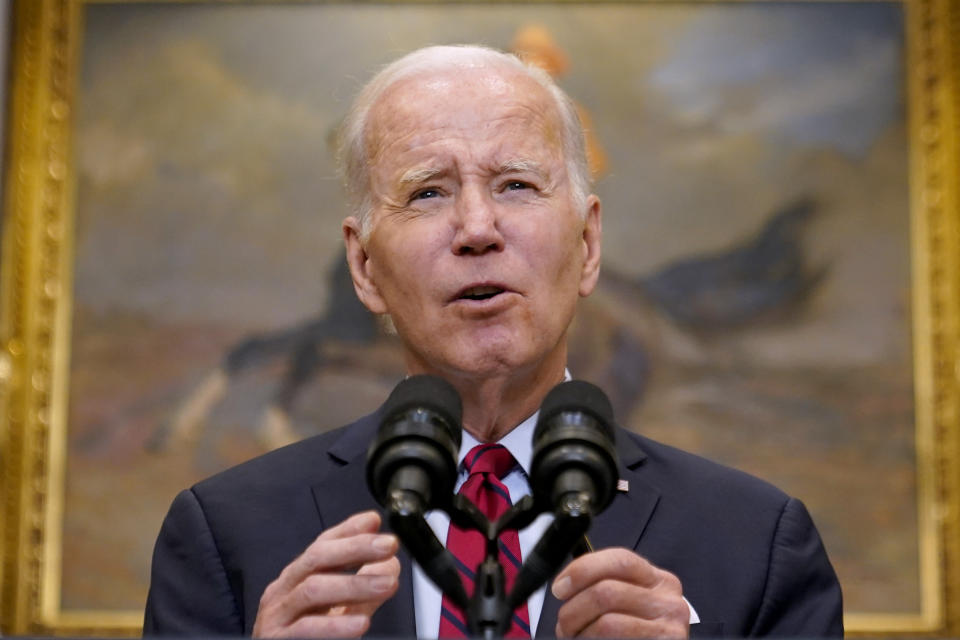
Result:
[396,124]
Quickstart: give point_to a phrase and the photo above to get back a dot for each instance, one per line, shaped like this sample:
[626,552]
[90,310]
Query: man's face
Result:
[475,249]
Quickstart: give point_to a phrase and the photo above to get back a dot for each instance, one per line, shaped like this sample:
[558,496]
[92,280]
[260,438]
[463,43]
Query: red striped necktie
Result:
[487,464]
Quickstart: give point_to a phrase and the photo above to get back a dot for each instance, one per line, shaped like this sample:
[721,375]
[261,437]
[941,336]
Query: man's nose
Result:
[477,229]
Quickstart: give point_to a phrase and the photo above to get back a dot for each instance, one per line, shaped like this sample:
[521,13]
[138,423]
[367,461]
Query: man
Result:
[475,231]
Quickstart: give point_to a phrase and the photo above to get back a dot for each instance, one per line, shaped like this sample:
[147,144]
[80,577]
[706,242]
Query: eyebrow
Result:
[420,175]
[522,166]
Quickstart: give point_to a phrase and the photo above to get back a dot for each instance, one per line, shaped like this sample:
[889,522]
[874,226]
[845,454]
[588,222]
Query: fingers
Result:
[389,568]
[363,522]
[321,601]
[318,594]
[621,625]
[619,564]
[615,609]
[615,593]
[352,543]
[348,626]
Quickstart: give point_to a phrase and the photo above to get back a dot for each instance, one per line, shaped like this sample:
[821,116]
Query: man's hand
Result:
[318,596]
[614,593]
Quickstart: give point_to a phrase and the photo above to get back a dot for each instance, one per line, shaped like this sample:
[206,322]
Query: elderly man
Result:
[475,231]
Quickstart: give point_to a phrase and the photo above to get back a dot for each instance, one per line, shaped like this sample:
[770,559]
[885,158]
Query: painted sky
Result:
[830,78]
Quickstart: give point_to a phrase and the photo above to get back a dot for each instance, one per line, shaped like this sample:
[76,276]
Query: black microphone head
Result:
[430,393]
[573,446]
[578,395]
[418,441]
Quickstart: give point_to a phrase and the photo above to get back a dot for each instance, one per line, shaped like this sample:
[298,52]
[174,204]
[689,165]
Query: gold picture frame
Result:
[36,306]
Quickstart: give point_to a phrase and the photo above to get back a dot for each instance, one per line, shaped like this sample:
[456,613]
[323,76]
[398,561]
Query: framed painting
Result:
[779,290]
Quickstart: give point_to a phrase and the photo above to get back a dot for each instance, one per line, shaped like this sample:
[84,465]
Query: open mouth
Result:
[480,293]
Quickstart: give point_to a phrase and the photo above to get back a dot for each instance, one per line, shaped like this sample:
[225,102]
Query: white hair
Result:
[353,150]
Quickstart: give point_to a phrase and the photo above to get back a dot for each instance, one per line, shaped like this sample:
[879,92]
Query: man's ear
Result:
[360,267]
[592,234]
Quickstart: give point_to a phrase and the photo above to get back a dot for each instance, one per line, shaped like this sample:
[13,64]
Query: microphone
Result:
[415,451]
[412,468]
[573,450]
[573,475]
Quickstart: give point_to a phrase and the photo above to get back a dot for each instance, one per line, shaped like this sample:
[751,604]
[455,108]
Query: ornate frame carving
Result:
[35,308]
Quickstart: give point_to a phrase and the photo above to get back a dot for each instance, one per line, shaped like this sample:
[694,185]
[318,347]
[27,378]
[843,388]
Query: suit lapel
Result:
[620,525]
[342,493]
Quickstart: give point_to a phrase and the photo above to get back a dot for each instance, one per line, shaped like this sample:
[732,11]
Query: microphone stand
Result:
[490,609]
[488,614]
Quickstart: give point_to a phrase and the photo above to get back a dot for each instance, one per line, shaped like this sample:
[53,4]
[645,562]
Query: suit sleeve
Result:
[189,590]
[802,596]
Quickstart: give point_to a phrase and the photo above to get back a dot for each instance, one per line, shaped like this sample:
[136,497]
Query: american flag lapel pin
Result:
[623,485]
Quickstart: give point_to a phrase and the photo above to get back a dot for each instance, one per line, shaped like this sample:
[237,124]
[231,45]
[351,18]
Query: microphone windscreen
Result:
[426,392]
[581,396]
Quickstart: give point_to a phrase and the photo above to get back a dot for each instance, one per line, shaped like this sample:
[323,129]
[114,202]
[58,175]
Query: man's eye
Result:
[516,185]
[425,194]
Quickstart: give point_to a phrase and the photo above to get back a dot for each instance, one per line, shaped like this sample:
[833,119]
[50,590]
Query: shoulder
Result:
[230,535]
[698,485]
[297,465]
[681,470]
[747,553]
[262,513]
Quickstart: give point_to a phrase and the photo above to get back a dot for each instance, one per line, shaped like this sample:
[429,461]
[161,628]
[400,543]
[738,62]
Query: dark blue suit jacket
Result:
[748,556]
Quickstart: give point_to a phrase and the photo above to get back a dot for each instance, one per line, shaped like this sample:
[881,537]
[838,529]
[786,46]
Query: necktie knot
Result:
[489,458]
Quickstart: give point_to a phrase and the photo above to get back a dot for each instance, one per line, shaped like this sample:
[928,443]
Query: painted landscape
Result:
[754,305]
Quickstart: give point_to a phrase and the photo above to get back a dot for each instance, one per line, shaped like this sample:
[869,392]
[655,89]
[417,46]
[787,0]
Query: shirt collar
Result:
[519,441]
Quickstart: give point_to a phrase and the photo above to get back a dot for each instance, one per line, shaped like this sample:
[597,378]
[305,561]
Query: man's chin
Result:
[488,364]
[479,353]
